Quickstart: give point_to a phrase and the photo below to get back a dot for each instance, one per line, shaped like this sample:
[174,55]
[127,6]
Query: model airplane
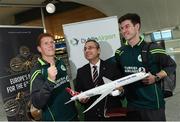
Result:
[107,88]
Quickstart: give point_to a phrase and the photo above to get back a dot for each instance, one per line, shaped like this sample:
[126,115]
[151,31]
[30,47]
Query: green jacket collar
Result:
[139,43]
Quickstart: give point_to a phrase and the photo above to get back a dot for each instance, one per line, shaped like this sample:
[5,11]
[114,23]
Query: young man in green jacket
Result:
[145,98]
[48,82]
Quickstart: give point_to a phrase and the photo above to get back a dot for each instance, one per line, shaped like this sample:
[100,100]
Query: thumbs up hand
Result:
[52,72]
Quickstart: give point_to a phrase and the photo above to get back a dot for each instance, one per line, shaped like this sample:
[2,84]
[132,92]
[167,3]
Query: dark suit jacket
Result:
[84,82]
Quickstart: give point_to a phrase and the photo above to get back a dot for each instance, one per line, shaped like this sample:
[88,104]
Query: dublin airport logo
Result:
[107,37]
[74,41]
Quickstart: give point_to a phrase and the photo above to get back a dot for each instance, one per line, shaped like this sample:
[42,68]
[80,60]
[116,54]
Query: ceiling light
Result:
[50,8]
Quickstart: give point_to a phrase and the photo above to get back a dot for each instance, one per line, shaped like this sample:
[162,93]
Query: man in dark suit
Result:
[88,78]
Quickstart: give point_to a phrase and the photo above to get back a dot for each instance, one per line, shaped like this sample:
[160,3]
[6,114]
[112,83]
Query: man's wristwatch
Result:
[157,78]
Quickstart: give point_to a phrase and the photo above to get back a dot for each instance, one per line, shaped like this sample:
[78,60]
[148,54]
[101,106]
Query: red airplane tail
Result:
[71,92]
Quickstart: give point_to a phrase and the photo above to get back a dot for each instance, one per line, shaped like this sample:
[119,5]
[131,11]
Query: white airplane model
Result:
[107,88]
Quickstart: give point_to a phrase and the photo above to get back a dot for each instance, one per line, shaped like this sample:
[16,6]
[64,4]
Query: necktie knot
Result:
[95,67]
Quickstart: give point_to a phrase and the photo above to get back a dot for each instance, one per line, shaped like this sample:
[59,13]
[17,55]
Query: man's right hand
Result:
[84,99]
[52,72]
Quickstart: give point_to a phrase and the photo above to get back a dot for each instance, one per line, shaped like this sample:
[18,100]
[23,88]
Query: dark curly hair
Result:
[134,18]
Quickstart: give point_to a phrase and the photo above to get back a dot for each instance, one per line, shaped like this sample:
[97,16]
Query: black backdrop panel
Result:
[12,43]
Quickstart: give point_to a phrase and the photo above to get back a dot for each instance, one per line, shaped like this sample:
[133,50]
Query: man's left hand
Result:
[149,80]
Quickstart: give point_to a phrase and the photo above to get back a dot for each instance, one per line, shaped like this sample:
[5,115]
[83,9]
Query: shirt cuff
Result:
[164,72]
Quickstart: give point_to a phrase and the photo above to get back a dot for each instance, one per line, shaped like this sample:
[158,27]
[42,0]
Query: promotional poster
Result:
[18,54]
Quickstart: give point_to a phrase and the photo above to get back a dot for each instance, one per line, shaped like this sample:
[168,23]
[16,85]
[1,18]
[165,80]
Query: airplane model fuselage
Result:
[109,87]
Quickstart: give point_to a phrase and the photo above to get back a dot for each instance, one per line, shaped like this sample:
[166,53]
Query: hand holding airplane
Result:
[83,99]
[107,88]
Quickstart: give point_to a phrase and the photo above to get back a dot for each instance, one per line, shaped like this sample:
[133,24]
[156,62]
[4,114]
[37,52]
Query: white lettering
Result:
[10,89]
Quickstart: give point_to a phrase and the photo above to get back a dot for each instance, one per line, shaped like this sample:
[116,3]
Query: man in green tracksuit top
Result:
[145,98]
[48,82]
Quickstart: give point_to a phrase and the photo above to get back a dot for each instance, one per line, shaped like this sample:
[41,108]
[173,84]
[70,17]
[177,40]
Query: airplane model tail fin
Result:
[71,92]
[106,80]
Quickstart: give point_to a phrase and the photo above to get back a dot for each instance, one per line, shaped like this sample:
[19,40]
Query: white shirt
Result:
[98,67]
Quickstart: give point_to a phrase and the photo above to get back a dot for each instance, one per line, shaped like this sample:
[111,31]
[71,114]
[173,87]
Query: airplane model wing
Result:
[100,98]
[114,92]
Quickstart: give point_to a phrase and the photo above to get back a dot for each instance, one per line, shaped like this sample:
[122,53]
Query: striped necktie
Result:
[95,75]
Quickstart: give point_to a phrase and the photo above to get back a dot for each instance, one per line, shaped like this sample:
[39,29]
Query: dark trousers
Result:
[75,118]
[146,115]
[99,116]
[102,118]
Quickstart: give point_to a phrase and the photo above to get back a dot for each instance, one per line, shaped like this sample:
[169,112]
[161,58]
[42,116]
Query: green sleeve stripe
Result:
[158,52]
[118,51]
[157,96]
[33,77]
[35,73]
[121,52]
[51,114]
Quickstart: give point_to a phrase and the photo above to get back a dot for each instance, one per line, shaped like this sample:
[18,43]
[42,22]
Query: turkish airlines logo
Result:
[139,58]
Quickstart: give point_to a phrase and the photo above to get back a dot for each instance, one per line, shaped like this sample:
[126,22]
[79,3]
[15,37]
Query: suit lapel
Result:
[102,69]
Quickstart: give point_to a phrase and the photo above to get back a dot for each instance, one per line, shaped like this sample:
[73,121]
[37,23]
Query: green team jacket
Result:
[49,96]
[139,95]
